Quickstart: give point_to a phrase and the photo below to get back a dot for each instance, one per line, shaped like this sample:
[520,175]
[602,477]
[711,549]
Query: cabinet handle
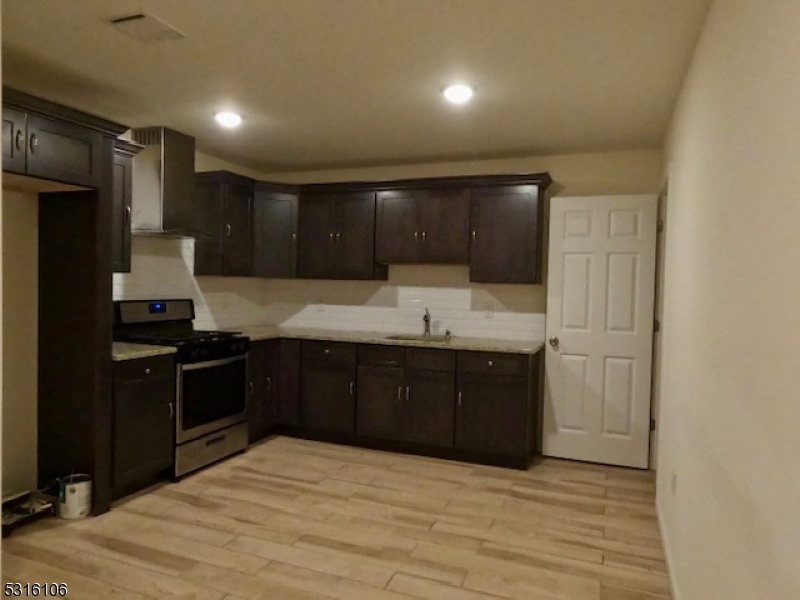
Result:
[294,237]
[423,236]
[34,143]
[338,235]
[473,235]
[269,383]
[327,351]
[227,230]
[416,236]
[459,398]
[408,393]
[18,143]
[399,393]
[352,387]
[331,236]
[147,371]
[171,411]
[491,363]
[252,388]
[128,215]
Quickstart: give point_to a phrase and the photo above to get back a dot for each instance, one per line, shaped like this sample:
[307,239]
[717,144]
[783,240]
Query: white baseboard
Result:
[673,579]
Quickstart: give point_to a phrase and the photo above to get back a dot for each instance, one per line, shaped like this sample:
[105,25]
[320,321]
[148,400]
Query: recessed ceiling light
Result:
[228,119]
[458,93]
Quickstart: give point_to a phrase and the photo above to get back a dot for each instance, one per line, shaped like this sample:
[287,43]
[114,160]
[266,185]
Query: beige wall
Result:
[204,162]
[730,395]
[631,172]
[20,276]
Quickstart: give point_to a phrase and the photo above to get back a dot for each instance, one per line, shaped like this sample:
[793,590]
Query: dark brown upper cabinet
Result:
[222,224]
[506,237]
[337,236]
[423,226]
[274,232]
[50,148]
[124,152]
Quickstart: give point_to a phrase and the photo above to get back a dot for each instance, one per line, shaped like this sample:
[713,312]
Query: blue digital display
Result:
[158,308]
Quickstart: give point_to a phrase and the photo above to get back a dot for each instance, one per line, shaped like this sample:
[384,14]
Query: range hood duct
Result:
[163,183]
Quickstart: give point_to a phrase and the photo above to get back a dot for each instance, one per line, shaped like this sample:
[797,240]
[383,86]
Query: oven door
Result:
[210,395]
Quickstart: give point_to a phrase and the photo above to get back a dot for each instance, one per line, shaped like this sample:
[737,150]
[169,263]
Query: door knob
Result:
[554,341]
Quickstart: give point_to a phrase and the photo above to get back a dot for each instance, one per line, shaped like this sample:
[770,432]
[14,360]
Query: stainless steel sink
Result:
[418,337]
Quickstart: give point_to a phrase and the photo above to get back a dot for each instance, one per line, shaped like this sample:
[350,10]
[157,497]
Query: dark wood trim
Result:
[46,108]
[272,186]
[218,177]
[543,180]
[127,147]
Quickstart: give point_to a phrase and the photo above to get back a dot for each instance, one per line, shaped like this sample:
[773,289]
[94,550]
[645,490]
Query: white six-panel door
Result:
[598,352]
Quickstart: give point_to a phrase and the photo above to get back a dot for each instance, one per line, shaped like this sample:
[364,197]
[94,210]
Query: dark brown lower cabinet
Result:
[492,414]
[289,383]
[380,406]
[429,410]
[406,404]
[327,387]
[143,421]
[263,371]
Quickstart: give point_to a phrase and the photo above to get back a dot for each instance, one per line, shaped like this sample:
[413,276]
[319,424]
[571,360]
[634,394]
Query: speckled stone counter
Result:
[126,351]
[372,337]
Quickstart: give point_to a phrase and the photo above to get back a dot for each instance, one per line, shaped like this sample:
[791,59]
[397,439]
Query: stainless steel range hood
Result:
[163,183]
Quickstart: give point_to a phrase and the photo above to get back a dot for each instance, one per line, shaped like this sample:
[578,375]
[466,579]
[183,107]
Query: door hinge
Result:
[656,326]
[652,424]
[660,225]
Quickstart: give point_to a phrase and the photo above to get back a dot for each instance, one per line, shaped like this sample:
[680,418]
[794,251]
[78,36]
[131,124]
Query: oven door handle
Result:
[212,363]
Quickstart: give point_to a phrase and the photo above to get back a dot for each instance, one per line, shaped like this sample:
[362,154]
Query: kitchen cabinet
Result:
[124,152]
[289,383]
[274,232]
[222,224]
[406,394]
[143,421]
[51,148]
[506,237]
[337,236]
[263,374]
[423,226]
[327,387]
[494,404]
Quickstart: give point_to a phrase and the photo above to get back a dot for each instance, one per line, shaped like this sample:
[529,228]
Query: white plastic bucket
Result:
[74,496]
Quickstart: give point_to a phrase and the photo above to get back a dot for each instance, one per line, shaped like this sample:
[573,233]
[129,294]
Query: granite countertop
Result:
[265,332]
[126,351]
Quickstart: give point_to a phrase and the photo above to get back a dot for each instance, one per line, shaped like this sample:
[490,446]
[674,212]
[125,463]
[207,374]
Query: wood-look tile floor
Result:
[299,520]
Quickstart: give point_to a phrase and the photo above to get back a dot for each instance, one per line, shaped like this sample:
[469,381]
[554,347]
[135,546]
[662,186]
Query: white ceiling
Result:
[329,83]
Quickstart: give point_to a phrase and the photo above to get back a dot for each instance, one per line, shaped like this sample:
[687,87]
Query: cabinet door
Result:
[236,229]
[121,213]
[397,233]
[263,372]
[429,408]
[355,236]
[288,394]
[317,244]
[506,238]
[63,152]
[208,221]
[14,141]
[274,234]
[379,403]
[492,414]
[143,422]
[444,223]
[327,400]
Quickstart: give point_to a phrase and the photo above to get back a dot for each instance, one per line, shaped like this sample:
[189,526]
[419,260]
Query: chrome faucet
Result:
[427,320]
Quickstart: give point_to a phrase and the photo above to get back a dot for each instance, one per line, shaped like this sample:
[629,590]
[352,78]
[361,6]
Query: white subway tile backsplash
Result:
[165,268]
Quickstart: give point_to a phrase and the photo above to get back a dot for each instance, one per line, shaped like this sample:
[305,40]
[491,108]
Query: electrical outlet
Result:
[673,483]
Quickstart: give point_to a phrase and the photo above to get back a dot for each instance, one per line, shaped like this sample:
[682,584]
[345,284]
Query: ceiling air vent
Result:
[146,28]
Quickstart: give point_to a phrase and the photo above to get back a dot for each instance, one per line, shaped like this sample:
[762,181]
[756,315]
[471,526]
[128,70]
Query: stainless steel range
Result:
[211,390]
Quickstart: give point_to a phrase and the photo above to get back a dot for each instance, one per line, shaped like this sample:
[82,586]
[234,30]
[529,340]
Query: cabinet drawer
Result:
[144,368]
[430,359]
[382,356]
[328,351]
[493,363]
